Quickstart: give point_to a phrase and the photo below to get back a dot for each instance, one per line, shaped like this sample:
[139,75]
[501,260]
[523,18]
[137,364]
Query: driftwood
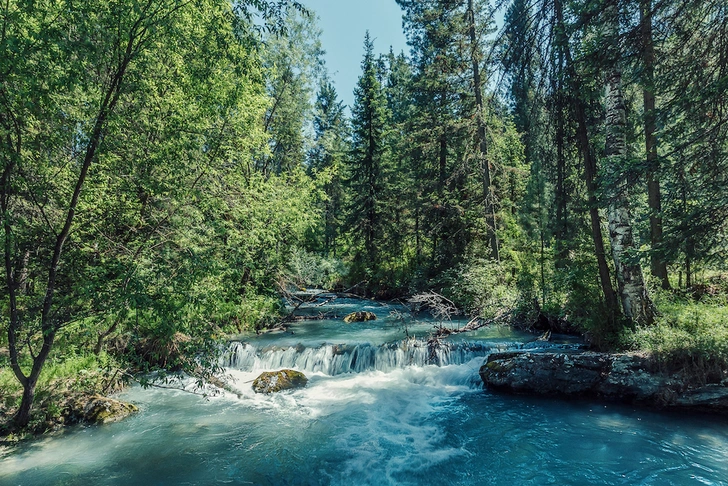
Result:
[434,342]
[309,298]
[318,317]
[439,306]
[290,296]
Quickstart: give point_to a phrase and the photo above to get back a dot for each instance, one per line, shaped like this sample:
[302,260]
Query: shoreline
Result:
[629,378]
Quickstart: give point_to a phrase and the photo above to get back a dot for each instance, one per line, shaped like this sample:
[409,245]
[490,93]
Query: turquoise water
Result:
[377,410]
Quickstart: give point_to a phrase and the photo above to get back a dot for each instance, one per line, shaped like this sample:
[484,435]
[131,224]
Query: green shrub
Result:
[687,336]
[305,269]
[482,287]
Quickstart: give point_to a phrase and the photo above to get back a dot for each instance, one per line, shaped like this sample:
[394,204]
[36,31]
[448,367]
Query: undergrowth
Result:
[690,335]
[62,378]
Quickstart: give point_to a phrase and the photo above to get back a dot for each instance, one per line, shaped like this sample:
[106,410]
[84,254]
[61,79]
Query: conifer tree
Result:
[658,264]
[367,165]
[443,97]
[326,160]
[401,187]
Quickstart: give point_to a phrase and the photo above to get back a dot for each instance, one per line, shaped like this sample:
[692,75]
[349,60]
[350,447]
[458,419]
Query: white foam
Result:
[332,359]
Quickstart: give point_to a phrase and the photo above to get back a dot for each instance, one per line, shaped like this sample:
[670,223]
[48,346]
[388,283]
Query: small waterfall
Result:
[335,359]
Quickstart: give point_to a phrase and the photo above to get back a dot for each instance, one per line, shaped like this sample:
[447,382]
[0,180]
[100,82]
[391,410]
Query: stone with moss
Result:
[97,409]
[360,316]
[275,381]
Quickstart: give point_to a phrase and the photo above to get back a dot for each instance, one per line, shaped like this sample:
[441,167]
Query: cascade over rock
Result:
[275,381]
[335,359]
[630,378]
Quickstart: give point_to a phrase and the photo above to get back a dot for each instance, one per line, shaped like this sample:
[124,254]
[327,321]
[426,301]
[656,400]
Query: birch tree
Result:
[636,304]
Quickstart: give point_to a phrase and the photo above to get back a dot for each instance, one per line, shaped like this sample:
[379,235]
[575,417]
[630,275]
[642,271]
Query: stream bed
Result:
[380,407]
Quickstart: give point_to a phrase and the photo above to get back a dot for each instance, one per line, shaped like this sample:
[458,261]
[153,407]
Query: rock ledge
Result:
[629,378]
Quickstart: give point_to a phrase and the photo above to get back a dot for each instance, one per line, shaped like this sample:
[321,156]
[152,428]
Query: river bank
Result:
[631,378]
[79,396]
[536,366]
[378,407]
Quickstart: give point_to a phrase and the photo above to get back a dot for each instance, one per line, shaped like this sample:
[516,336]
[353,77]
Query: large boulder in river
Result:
[360,316]
[630,378]
[275,381]
[96,409]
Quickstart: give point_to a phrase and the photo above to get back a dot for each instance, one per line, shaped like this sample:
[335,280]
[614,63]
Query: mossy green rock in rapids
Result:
[360,317]
[275,381]
[97,409]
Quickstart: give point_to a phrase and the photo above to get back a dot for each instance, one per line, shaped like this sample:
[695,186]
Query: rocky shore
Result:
[626,378]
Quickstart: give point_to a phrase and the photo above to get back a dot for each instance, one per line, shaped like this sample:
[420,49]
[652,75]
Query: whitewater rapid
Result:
[380,408]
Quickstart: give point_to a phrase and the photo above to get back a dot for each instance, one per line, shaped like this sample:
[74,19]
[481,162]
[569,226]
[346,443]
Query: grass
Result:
[62,377]
[689,336]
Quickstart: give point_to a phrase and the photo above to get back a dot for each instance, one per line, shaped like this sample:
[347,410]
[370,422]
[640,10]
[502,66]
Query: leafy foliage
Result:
[129,197]
[166,169]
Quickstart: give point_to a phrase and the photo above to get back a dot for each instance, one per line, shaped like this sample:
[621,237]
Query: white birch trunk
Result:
[636,303]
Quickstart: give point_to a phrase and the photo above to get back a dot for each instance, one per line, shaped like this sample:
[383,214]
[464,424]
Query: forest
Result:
[171,168]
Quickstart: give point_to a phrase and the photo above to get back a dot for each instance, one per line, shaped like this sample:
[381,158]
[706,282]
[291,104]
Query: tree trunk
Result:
[489,206]
[689,244]
[418,242]
[101,337]
[636,304]
[590,168]
[48,323]
[22,416]
[558,86]
[688,263]
[561,226]
[442,163]
[658,266]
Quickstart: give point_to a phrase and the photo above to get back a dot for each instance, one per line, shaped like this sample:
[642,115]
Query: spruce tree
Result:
[365,179]
[326,160]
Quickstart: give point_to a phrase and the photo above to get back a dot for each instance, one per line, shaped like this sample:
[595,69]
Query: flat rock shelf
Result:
[627,378]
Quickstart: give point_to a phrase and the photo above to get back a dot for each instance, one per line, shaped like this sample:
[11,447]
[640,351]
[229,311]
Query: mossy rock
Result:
[500,367]
[97,409]
[360,316]
[275,381]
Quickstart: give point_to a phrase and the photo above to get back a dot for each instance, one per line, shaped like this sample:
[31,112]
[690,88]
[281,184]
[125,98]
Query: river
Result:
[379,408]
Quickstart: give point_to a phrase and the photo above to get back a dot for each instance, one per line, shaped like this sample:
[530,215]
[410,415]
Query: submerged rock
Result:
[275,381]
[630,378]
[360,316]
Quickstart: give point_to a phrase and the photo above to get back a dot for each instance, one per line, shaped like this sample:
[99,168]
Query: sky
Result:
[343,24]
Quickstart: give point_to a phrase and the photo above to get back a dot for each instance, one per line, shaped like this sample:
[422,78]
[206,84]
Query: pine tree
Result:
[443,143]
[367,170]
[326,159]
[691,79]
[476,55]
[401,188]
[658,265]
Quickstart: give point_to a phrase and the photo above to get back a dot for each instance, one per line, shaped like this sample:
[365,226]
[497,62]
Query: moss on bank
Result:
[66,384]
